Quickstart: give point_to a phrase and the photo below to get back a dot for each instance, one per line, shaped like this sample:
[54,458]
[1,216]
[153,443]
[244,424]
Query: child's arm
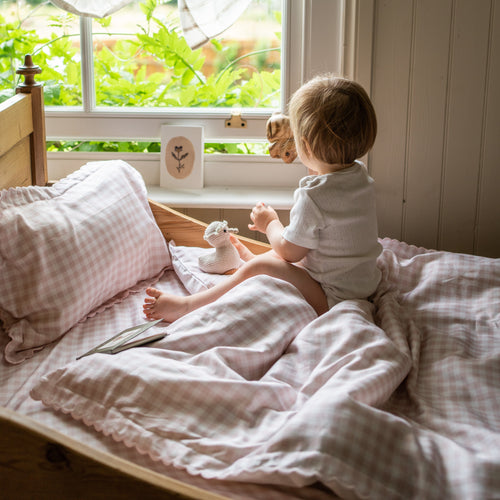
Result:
[266,220]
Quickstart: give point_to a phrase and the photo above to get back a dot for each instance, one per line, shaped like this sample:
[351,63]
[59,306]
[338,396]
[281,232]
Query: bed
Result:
[253,396]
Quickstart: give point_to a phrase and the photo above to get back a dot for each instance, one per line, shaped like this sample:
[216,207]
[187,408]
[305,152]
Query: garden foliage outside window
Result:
[141,59]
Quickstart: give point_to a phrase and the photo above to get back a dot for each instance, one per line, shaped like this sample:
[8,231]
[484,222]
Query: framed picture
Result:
[181,157]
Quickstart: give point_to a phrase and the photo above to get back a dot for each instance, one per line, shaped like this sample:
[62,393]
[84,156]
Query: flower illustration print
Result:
[179,156]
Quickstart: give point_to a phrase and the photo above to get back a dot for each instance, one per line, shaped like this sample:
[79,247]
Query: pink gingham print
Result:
[395,399]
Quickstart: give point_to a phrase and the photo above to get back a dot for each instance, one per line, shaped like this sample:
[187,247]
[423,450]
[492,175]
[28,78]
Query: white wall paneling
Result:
[487,237]
[392,49]
[464,125]
[435,86]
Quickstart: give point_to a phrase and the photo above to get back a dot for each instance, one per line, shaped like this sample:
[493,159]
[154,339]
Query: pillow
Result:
[185,265]
[66,250]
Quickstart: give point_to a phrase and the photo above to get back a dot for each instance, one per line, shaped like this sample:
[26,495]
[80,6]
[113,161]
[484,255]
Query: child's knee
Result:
[250,269]
[258,266]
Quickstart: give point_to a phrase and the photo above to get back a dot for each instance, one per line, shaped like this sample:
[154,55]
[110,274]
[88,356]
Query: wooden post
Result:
[37,142]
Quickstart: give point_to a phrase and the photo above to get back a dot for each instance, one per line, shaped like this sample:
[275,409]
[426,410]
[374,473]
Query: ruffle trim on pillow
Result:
[121,296]
[22,195]
[14,351]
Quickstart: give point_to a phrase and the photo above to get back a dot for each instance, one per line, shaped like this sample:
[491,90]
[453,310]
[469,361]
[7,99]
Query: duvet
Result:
[397,397]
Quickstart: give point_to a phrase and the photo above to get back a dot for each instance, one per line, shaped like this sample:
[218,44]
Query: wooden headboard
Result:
[23,158]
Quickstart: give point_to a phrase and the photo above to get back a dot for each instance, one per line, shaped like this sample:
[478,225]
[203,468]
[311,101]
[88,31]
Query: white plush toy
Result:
[226,257]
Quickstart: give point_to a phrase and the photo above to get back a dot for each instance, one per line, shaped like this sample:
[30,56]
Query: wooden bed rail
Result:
[187,231]
[37,462]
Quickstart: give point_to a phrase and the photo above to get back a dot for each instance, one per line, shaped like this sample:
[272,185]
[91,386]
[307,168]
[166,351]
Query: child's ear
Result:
[305,147]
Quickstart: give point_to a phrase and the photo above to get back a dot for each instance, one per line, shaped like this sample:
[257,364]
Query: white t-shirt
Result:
[334,216]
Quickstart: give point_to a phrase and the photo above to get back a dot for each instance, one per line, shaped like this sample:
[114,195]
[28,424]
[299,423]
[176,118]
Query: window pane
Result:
[52,37]
[141,59]
[252,148]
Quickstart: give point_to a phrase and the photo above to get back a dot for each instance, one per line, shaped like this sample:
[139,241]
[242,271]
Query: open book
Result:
[125,339]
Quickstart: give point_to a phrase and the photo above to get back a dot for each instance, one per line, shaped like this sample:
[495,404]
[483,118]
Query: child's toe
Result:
[153,292]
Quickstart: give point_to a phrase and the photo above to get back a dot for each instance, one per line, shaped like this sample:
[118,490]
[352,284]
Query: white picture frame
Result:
[181,157]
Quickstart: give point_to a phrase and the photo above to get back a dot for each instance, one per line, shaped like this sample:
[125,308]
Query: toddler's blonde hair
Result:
[336,118]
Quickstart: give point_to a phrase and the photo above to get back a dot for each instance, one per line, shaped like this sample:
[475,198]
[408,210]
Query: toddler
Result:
[330,248]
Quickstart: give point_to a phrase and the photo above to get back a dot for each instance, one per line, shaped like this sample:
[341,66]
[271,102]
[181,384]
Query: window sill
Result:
[223,197]
[226,177]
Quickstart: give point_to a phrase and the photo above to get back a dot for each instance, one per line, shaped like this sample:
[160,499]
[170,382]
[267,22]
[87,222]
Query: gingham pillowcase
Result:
[67,250]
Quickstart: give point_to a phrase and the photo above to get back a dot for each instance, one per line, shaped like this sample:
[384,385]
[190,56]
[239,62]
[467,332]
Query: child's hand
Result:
[261,216]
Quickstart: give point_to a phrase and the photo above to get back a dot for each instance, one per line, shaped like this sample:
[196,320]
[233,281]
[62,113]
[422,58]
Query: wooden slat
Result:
[15,121]
[15,166]
[22,116]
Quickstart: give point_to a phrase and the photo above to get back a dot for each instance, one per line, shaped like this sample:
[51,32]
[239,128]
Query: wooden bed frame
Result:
[34,459]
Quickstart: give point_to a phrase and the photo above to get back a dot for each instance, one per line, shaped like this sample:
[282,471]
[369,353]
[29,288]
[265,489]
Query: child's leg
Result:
[172,307]
[273,265]
[161,305]
[310,289]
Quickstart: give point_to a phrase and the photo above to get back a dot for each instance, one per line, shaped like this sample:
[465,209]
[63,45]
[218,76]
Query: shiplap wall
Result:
[436,88]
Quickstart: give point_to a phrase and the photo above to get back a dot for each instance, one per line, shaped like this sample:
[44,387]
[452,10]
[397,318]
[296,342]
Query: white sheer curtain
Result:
[91,8]
[201,20]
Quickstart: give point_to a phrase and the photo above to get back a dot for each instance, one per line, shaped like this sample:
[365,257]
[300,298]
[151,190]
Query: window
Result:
[315,37]
[141,59]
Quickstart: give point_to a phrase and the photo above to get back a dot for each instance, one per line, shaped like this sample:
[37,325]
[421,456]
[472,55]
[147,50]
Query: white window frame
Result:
[319,36]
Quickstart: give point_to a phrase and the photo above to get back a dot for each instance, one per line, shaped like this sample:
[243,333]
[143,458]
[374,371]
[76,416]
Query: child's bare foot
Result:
[160,305]
[244,252]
